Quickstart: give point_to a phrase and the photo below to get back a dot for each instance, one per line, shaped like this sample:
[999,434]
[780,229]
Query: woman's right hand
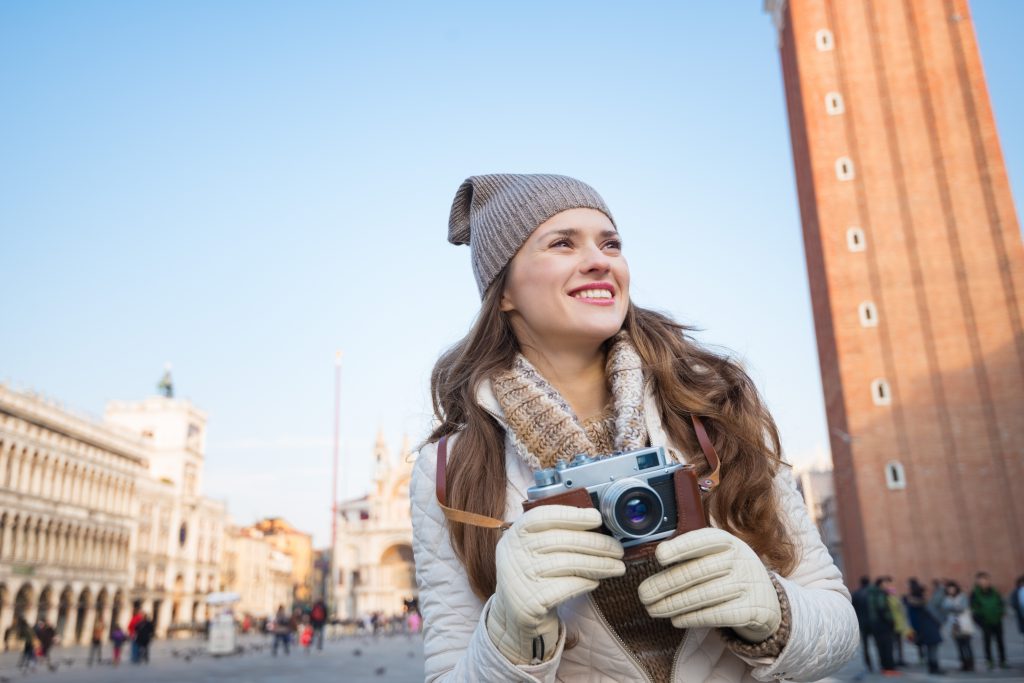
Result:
[548,556]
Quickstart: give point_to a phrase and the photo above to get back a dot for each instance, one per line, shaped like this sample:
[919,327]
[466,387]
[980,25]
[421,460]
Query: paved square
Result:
[360,659]
[351,659]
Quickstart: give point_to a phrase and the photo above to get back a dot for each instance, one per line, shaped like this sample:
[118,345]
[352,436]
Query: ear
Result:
[505,303]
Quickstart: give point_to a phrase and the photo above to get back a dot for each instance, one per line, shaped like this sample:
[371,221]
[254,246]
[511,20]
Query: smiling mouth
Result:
[599,297]
[593,294]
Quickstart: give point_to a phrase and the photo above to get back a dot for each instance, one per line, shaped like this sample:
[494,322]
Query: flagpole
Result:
[333,581]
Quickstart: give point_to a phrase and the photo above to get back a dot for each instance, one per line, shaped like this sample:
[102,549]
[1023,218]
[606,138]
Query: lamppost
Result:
[333,580]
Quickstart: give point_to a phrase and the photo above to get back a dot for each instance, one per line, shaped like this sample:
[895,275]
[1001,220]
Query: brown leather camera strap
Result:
[452,514]
[711,481]
[461,516]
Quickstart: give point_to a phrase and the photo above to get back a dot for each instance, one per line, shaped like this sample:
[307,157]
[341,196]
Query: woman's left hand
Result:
[713,579]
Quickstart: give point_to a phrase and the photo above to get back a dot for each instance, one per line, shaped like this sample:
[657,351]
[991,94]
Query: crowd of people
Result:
[305,627]
[922,619]
[39,640]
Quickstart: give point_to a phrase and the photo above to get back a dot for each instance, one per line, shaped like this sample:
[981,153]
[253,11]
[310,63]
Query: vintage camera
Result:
[634,492]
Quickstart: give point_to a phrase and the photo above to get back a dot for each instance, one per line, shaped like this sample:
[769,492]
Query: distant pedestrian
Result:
[927,626]
[961,626]
[306,636]
[28,650]
[883,623]
[318,618]
[96,642]
[1016,601]
[295,623]
[46,636]
[988,609]
[862,606]
[117,638]
[900,626]
[143,636]
[414,622]
[133,624]
[282,631]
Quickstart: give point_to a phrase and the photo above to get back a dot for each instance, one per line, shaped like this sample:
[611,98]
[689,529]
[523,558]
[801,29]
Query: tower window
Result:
[868,314]
[895,477]
[844,168]
[823,40]
[880,392]
[855,239]
[834,103]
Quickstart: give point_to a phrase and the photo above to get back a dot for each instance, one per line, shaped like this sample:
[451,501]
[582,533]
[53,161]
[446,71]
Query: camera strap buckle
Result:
[711,481]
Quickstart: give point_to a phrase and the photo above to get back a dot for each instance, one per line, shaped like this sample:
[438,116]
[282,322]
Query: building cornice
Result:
[49,415]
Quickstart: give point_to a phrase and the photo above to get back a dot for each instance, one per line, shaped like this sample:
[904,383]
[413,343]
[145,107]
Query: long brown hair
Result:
[688,379]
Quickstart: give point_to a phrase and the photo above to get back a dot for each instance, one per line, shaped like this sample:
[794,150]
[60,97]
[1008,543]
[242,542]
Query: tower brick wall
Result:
[893,137]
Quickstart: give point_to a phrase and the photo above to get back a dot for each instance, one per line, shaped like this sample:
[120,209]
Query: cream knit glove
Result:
[713,579]
[548,556]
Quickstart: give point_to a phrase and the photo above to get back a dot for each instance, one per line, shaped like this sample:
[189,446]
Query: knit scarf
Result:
[544,427]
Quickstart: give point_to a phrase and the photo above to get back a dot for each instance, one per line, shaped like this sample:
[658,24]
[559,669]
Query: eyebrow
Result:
[573,232]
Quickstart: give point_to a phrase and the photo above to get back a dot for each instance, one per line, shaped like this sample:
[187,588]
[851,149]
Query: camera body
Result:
[634,491]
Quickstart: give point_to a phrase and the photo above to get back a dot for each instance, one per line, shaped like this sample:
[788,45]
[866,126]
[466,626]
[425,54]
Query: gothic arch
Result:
[24,601]
[397,564]
[45,602]
[84,602]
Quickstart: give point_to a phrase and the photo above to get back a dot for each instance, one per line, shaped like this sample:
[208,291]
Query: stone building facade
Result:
[69,490]
[100,517]
[261,574]
[180,532]
[373,551]
[298,546]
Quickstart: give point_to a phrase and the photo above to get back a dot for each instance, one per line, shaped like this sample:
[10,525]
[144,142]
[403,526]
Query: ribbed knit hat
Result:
[495,213]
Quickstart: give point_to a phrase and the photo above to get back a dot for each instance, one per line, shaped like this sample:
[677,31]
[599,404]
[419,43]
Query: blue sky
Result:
[242,188]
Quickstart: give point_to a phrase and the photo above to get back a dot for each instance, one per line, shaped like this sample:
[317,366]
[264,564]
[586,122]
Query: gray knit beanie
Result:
[494,214]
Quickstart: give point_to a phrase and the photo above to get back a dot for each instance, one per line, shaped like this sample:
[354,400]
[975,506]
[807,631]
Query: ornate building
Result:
[180,532]
[97,518]
[916,273]
[373,551]
[255,569]
[69,489]
[298,546]
[818,490]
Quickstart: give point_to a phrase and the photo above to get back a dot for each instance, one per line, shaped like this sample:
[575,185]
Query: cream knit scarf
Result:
[544,427]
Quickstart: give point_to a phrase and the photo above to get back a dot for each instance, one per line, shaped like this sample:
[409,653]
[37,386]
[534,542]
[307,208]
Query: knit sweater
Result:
[652,642]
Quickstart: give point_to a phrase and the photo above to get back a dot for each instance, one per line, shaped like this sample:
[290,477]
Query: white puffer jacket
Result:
[823,635]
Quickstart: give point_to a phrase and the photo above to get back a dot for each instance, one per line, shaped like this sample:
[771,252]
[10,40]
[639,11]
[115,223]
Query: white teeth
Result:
[593,294]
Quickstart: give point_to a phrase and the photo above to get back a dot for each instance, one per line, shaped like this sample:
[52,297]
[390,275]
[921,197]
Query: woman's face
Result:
[569,283]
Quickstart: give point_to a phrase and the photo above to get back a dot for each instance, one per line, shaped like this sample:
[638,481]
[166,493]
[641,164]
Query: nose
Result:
[595,260]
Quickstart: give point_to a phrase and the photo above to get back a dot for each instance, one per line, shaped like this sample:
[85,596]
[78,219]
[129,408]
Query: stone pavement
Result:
[386,659]
[358,659]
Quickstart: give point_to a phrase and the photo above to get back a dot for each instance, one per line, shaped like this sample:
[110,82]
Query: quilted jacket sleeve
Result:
[823,632]
[456,644]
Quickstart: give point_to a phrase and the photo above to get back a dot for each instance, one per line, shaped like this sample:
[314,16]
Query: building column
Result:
[8,532]
[165,617]
[7,615]
[70,624]
[51,612]
[88,619]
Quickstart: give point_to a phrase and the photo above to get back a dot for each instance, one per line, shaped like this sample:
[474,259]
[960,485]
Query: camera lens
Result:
[631,508]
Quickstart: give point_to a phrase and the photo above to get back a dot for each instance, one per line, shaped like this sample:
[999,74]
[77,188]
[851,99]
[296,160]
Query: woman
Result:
[927,627]
[961,625]
[561,362]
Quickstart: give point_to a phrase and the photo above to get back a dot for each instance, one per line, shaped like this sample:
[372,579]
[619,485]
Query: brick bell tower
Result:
[916,272]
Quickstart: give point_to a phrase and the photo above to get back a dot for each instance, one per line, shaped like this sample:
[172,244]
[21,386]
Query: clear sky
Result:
[240,188]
